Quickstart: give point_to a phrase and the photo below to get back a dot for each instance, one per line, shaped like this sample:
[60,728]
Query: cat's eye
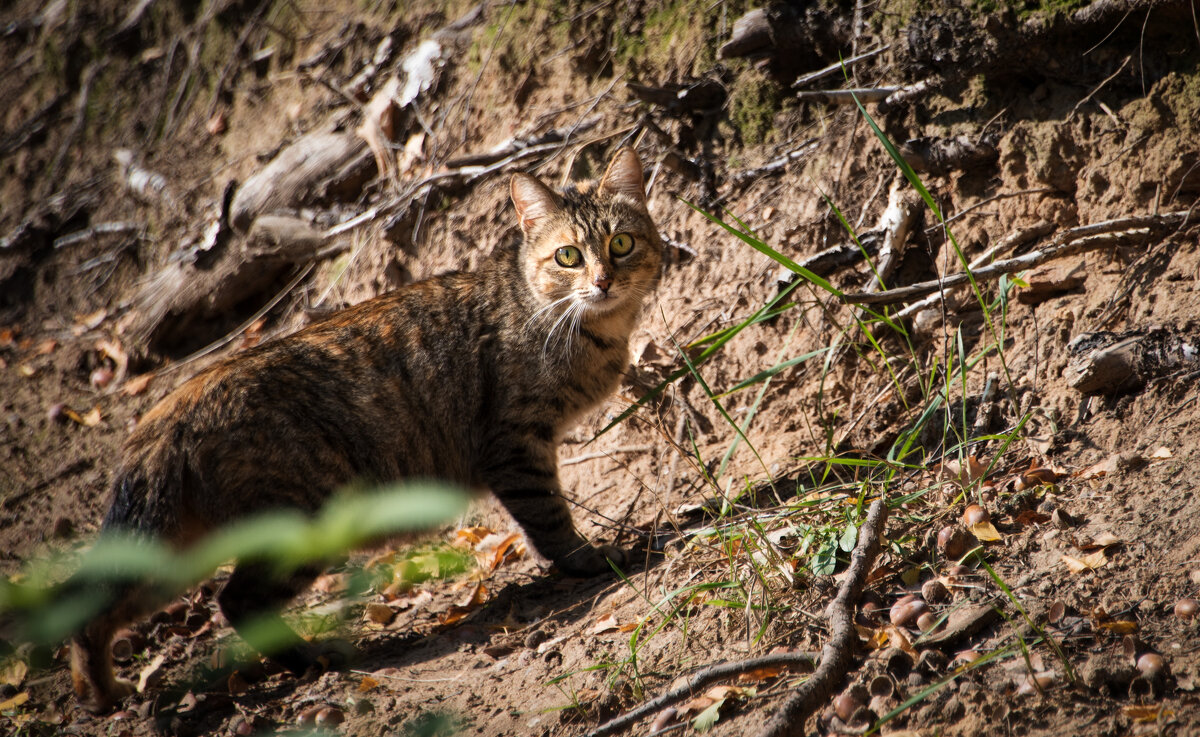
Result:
[621,244]
[568,256]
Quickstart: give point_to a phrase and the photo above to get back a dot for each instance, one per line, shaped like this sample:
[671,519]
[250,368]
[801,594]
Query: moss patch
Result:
[753,103]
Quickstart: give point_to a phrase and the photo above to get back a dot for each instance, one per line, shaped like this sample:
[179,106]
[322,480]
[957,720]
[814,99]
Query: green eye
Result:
[621,244]
[568,256]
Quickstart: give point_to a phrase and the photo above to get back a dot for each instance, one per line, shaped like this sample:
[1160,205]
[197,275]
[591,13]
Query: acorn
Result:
[906,610]
[1186,609]
[952,541]
[974,514]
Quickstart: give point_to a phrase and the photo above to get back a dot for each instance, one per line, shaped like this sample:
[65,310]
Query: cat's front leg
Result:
[529,489]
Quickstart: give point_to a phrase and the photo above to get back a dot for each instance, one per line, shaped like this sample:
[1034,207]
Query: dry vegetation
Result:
[180,181]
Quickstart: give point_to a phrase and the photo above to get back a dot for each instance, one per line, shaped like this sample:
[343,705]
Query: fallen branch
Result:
[838,652]
[1069,242]
[1013,240]
[700,679]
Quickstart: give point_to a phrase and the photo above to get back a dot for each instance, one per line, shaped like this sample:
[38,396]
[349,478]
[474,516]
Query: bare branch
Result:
[838,652]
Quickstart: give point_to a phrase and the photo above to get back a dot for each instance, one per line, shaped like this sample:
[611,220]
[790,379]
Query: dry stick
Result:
[822,73]
[1067,243]
[1015,239]
[232,334]
[700,679]
[838,652]
[835,656]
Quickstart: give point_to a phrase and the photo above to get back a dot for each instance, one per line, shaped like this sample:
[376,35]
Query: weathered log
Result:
[1111,363]
[289,180]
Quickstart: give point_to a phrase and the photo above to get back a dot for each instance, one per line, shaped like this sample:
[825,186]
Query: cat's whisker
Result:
[563,318]
[545,308]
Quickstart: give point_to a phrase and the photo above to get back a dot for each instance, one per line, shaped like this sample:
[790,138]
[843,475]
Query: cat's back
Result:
[374,392]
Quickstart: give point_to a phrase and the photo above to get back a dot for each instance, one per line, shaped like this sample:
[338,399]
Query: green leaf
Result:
[825,560]
[706,719]
[848,539]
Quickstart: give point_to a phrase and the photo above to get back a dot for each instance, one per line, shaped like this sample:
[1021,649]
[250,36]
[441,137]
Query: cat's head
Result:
[591,250]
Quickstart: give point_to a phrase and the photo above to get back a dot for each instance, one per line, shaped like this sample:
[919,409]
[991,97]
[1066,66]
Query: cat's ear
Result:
[533,200]
[624,176]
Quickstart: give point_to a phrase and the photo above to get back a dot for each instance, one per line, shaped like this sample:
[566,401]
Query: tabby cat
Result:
[469,377]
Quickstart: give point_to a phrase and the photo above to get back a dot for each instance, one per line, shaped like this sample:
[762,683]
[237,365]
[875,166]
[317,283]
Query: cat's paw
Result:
[593,561]
[102,702]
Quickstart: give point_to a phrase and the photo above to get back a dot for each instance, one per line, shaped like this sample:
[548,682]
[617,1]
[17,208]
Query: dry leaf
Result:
[898,638]
[1160,453]
[458,612]
[15,701]
[92,418]
[13,672]
[985,532]
[758,675]
[501,550]
[1118,627]
[378,613]
[46,347]
[960,473]
[1147,713]
[112,349]
[151,674]
[472,536]
[1088,562]
[366,684]
[1103,540]
[136,385]
[607,623]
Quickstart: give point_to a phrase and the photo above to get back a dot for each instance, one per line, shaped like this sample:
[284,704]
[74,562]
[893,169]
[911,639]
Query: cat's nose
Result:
[604,282]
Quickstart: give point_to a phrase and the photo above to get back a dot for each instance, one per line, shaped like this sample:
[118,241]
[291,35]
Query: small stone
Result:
[1186,609]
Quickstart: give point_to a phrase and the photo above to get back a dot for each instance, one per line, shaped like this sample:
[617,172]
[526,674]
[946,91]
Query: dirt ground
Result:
[121,275]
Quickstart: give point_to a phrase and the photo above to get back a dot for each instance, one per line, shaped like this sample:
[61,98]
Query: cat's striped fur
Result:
[467,377]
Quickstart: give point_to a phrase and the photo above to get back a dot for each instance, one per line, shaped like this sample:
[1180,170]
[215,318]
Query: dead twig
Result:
[1013,240]
[774,166]
[231,335]
[700,679]
[838,652]
[81,105]
[605,454]
[1069,242]
[837,67]
[892,95]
